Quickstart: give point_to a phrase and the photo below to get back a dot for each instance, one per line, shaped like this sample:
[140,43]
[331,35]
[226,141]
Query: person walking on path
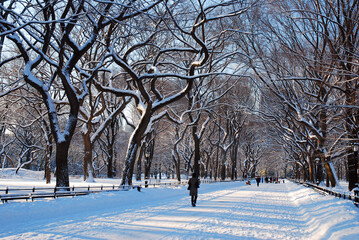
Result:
[258,179]
[193,185]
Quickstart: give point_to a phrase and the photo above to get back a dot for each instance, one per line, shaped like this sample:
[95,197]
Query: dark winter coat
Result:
[193,185]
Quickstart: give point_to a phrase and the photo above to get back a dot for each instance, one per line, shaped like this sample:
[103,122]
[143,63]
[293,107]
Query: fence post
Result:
[356,199]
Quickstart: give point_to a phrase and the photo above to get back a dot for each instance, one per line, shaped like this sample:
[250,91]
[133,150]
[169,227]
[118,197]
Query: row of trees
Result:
[304,56]
[87,64]
[211,87]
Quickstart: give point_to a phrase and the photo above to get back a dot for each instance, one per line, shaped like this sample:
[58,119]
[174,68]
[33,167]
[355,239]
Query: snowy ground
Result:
[224,211]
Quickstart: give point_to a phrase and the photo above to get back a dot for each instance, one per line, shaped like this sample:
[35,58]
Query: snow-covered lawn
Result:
[224,211]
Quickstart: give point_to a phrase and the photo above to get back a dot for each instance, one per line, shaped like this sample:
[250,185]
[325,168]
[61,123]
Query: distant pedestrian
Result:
[193,185]
[258,179]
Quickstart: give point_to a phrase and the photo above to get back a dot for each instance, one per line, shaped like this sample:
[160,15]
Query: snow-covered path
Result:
[224,211]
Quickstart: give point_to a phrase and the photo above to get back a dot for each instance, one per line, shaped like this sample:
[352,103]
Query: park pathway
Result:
[224,211]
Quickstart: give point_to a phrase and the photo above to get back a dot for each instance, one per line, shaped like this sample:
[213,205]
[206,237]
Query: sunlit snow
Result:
[228,210]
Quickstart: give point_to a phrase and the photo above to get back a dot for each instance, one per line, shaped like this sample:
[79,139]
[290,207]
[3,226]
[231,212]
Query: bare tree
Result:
[55,37]
[306,67]
[148,70]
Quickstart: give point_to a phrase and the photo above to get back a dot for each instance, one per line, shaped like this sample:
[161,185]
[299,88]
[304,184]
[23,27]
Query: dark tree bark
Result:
[61,173]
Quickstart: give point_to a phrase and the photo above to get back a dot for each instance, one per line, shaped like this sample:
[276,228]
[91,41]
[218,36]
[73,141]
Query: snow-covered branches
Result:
[303,72]
[95,62]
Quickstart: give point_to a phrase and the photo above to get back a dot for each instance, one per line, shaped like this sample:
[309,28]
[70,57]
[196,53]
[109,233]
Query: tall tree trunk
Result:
[223,171]
[111,138]
[147,168]
[208,167]
[351,158]
[139,164]
[330,174]
[319,172]
[129,162]
[297,173]
[88,170]
[48,163]
[234,159]
[310,169]
[133,146]
[352,171]
[197,155]
[48,152]
[304,173]
[62,172]
[178,171]
[325,163]
[351,120]
[110,162]
[177,164]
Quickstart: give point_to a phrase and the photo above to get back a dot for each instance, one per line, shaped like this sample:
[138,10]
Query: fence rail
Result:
[323,190]
[41,192]
[32,193]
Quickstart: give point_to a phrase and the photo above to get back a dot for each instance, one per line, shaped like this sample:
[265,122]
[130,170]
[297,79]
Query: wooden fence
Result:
[33,193]
[8,194]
